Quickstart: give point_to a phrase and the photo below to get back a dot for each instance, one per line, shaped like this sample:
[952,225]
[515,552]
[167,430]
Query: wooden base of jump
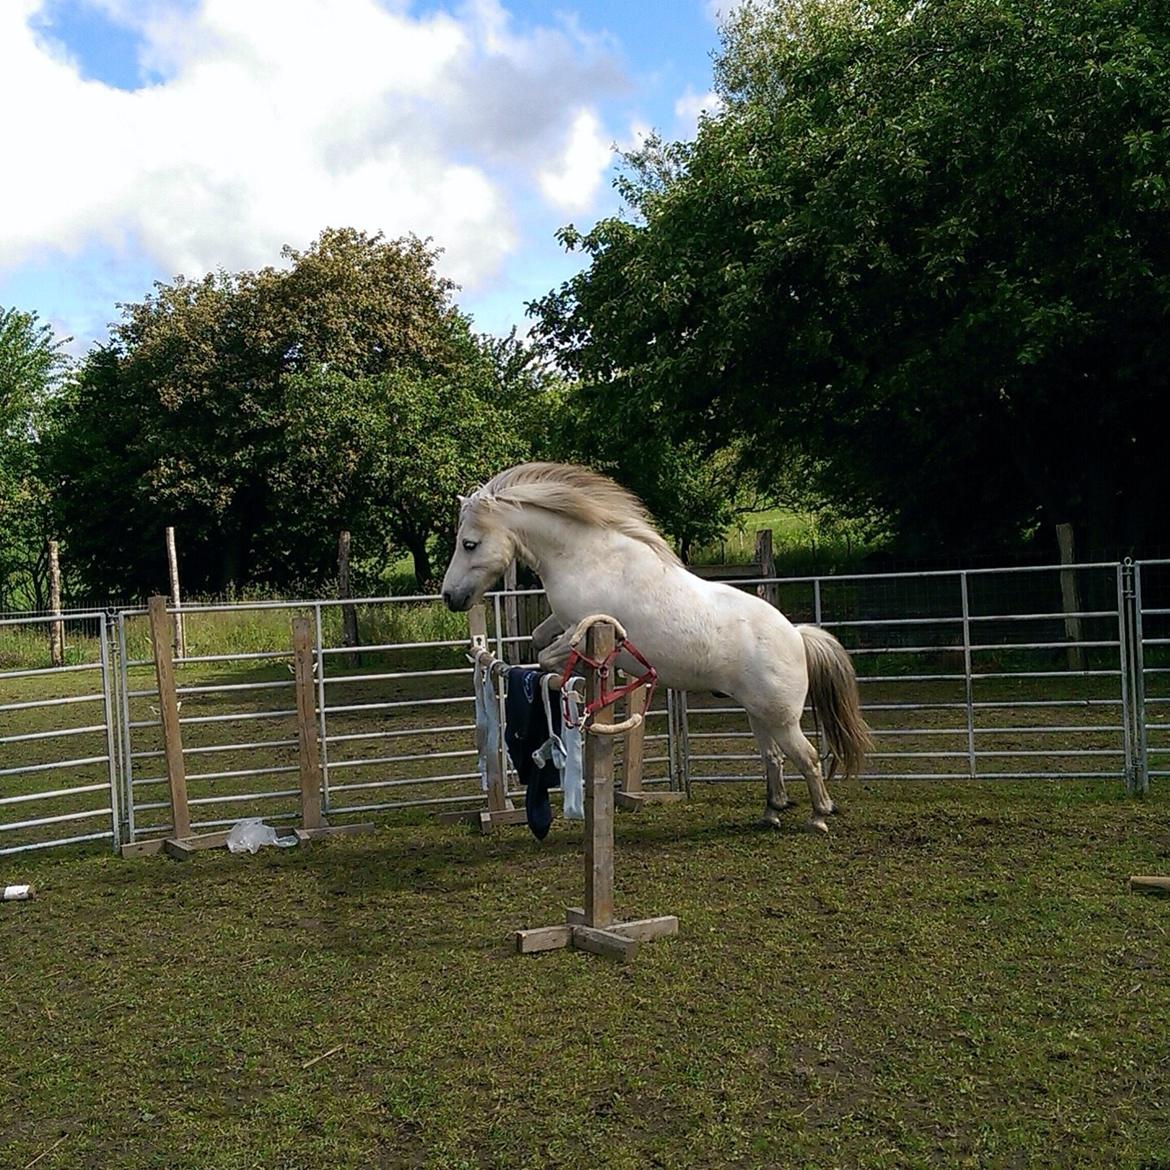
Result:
[592,927]
[487,820]
[618,940]
[1150,885]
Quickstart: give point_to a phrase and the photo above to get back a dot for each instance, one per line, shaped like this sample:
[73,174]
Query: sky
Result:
[147,139]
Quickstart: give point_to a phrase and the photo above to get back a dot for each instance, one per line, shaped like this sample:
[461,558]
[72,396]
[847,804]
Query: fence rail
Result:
[1042,673]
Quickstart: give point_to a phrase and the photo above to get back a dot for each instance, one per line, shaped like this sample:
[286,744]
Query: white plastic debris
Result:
[18,893]
[252,834]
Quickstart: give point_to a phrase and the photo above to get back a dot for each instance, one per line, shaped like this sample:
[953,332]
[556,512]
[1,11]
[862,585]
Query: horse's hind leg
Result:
[777,799]
[796,746]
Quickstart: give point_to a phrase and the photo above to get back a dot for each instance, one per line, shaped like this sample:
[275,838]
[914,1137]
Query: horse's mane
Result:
[578,493]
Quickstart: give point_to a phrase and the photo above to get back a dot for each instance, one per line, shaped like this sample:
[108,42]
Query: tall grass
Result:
[240,629]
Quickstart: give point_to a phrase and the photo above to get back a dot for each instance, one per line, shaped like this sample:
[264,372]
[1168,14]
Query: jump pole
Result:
[500,809]
[591,927]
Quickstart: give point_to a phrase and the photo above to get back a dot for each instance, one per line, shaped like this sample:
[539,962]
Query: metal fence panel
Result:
[980,674]
[1043,673]
[58,731]
[1152,667]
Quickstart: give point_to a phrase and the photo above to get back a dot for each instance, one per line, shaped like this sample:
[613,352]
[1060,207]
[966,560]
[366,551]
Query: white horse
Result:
[596,551]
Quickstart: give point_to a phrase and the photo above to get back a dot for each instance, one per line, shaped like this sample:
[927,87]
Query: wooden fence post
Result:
[349,626]
[766,561]
[56,628]
[1070,597]
[173,566]
[161,637]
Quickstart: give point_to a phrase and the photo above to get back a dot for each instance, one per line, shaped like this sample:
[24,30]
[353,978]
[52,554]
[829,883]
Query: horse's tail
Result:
[832,688]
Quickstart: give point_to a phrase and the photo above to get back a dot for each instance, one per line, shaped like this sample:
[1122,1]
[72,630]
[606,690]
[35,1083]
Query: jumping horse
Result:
[596,550]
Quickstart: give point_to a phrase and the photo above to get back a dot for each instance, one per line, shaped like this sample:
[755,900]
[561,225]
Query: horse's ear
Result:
[462,499]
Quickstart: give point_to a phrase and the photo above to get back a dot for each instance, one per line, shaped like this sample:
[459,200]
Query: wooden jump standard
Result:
[592,927]
[183,843]
[500,809]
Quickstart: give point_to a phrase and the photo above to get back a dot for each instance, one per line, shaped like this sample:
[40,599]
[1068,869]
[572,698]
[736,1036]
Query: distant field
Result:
[957,976]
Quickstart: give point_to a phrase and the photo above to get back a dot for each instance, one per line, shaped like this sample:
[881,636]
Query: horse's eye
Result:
[470,545]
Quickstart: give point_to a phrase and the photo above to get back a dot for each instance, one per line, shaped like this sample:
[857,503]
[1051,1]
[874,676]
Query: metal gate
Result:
[58,734]
[998,674]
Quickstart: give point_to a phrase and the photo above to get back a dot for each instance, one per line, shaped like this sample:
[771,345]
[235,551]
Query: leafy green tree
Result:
[191,414]
[921,249]
[32,366]
[386,456]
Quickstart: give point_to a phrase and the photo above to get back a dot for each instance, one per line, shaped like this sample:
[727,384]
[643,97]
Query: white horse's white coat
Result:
[596,552]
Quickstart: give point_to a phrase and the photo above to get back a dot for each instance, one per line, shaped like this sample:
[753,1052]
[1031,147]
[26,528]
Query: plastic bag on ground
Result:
[252,834]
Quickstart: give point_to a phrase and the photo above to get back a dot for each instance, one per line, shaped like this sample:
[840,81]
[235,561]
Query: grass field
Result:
[957,976]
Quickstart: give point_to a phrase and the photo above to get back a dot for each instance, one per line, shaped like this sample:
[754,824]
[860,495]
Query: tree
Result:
[32,366]
[186,417]
[386,456]
[922,248]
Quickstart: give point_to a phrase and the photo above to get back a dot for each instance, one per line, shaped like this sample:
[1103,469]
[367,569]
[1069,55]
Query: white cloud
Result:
[688,108]
[276,118]
[572,182]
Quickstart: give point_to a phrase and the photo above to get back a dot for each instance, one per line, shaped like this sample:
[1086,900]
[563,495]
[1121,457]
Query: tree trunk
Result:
[422,561]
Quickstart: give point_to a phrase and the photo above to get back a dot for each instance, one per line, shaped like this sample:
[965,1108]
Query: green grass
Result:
[957,976]
[802,542]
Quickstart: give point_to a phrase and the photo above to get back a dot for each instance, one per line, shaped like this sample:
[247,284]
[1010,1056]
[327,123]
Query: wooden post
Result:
[1070,597]
[56,628]
[599,802]
[173,565]
[310,760]
[513,652]
[592,927]
[632,797]
[349,626]
[161,637]
[635,745]
[766,562]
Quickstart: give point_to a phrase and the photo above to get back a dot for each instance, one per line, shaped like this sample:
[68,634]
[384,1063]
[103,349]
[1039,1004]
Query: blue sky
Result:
[165,137]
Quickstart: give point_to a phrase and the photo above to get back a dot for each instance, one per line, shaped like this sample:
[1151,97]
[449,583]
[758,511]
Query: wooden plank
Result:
[635,743]
[647,929]
[181,848]
[604,942]
[307,754]
[1150,885]
[599,803]
[143,848]
[168,706]
[543,938]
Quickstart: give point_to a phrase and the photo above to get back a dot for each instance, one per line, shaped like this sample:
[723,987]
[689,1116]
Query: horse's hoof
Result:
[769,821]
[816,825]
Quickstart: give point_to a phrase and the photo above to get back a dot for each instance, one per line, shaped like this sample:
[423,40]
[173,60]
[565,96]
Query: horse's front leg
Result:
[556,654]
[547,632]
[777,795]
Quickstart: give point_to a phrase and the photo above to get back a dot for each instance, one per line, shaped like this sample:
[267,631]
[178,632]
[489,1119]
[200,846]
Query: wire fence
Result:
[1048,673]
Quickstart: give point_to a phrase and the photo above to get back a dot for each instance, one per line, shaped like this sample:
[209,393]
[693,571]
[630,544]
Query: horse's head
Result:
[484,547]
